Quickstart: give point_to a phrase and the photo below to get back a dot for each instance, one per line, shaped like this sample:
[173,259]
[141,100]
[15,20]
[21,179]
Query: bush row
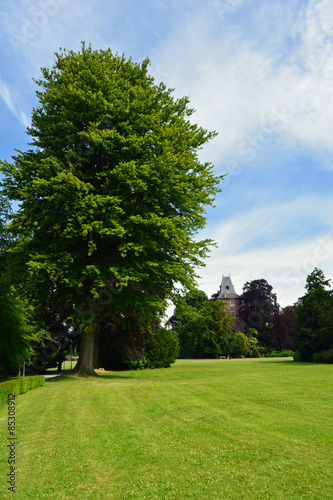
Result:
[277,354]
[19,386]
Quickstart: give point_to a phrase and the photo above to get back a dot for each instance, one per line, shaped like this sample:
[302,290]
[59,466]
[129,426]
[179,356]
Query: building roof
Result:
[227,290]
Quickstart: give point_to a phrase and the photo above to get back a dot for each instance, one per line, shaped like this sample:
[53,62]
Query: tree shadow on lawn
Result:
[70,375]
[277,361]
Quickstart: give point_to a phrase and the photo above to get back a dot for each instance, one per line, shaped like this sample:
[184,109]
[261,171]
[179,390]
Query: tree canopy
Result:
[111,193]
[204,327]
[314,320]
[259,309]
[20,331]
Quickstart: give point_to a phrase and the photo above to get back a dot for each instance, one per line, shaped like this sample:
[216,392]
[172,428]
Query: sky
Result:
[259,73]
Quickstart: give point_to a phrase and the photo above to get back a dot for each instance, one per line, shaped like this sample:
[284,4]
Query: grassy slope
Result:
[202,429]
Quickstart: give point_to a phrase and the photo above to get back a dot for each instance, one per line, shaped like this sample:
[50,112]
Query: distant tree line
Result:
[260,310]
[205,328]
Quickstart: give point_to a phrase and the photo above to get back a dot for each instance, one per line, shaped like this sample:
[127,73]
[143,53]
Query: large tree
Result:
[314,320]
[112,193]
[259,309]
[284,331]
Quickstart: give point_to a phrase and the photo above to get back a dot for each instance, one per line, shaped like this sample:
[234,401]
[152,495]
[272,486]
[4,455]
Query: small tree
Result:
[239,345]
[162,349]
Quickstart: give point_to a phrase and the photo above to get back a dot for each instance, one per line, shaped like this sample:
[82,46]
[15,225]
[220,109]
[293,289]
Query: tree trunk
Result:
[96,348]
[85,364]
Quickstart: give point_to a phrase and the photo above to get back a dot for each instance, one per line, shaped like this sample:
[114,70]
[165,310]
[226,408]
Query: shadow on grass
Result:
[113,375]
[70,375]
[272,360]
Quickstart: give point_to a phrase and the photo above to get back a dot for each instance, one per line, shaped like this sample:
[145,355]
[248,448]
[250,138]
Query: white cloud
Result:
[35,30]
[6,95]
[239,84]
[287,255]
[271,74]
[285,267]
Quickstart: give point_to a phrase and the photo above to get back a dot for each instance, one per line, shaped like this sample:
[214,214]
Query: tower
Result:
[229,296]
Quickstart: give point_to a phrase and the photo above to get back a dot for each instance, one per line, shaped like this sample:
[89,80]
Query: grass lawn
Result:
[207,429]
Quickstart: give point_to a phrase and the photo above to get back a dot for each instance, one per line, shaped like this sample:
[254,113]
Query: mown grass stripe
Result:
[202,429]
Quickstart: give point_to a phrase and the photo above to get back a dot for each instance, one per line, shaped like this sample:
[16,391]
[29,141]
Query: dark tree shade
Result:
[284,331]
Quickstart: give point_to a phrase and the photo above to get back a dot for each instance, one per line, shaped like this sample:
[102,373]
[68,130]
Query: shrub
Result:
[287,353]
[277,354]
[25,385]
[297,356]
[253,344]
[19,386]
[162,349]
[323,357]
[239,346]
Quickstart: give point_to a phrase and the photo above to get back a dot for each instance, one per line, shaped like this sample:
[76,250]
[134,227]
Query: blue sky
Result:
[259,73]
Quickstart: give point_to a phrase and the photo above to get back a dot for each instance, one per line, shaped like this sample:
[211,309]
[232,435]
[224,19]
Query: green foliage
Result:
[204,328]
[5,215]
[112,193]
[316,280]
[162,349]
[259,309]
[314,318]
[288,353]
[124,348]
[284,331]
[121,344]
[19,386]
[239,346]
[20,330]
[271,353]
[297,356]
[252,337]
[323,357]
[196,298]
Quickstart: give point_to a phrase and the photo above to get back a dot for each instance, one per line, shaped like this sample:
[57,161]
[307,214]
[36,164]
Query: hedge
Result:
[19,386]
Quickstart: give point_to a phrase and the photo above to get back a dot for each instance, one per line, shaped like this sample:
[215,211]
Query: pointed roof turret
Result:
[227,290]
